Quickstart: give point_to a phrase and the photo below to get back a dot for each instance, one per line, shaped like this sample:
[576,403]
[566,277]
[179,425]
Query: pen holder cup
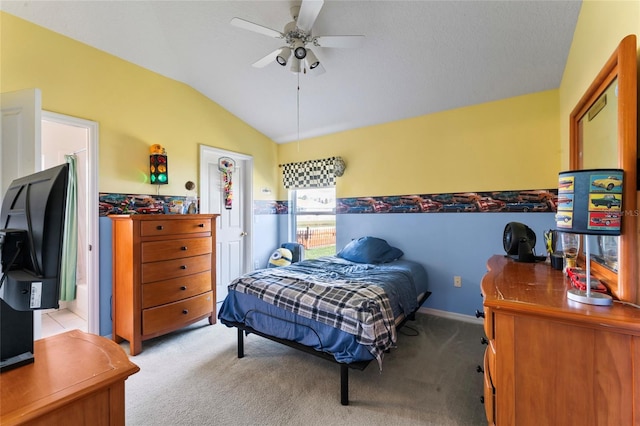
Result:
[557,261]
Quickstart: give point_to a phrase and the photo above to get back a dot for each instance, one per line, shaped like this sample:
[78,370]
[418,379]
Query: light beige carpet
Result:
[193,377]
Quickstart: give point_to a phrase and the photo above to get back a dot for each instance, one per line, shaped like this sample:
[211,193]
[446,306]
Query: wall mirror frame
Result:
[622,65]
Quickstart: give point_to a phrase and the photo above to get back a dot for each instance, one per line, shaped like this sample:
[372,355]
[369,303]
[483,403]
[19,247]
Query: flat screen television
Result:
[31,236]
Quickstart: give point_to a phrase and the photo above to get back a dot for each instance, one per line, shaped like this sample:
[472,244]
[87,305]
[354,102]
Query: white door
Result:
[20,146]
[233,236]
[21,154]
[20,140]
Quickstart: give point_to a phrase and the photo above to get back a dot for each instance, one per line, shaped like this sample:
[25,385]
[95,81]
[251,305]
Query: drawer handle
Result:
[201,225]
[183,266]
[159,227]
[184,248]
[185,311]
[184,287]
[484,341]
[479,369]
[479,314]
[482,400]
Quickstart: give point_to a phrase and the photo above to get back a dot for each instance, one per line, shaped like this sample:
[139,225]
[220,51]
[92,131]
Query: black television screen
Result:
[31,235]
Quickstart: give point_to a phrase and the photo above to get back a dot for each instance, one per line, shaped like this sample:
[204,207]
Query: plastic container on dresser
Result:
[163,274]
[551,360]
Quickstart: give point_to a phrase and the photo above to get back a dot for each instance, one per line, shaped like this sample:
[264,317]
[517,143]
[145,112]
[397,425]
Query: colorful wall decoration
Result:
[538,200]
[111,203]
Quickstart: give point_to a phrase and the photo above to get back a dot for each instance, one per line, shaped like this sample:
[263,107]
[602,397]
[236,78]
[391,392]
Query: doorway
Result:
[64,135]
[234,241]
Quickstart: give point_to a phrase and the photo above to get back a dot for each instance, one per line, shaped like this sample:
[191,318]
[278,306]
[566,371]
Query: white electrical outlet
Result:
[457,281]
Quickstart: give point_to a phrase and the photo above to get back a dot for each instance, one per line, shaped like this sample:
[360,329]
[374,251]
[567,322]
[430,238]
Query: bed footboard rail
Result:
[344,368]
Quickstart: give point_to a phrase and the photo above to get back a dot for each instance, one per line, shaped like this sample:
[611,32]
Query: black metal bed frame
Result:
[344,367]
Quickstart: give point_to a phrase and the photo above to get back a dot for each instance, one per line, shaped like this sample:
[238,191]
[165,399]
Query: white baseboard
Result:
[451,315]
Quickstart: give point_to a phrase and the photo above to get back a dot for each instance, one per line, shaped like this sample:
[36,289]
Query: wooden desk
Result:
[76,379]
[552,361]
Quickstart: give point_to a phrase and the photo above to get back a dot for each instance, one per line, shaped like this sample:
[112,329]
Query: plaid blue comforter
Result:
[341,294]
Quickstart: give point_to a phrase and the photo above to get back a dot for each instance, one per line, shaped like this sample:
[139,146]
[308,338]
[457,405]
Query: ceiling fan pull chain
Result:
[298,110]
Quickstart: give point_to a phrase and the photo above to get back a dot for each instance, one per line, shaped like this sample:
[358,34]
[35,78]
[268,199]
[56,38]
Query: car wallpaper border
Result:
[518,201]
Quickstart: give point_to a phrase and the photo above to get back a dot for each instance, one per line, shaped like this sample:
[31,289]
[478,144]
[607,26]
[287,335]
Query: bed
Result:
[345,308]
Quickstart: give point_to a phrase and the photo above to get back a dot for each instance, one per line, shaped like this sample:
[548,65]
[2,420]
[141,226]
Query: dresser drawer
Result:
[154,251]
[167,291]
[491,355]
[489,391]
[488,323]
[152,228]
[156,271]
[174,315]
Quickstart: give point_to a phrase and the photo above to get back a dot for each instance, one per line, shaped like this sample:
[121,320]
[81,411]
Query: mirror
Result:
[602,134]
[598,131]
[599,149]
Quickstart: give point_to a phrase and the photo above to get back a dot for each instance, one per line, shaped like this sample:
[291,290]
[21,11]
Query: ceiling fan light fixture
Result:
[295,65]
[299,50]
[297,35]
[312,60]
[283,56]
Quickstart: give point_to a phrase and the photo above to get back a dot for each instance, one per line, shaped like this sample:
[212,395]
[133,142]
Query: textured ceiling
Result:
[418,57]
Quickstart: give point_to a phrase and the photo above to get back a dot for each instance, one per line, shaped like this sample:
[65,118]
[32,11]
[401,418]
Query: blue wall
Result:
[265,231]
[265,237]
[106,324]
[447,244]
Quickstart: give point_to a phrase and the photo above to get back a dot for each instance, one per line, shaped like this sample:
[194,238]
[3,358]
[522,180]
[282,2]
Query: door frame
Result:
[210,155]
[93,257]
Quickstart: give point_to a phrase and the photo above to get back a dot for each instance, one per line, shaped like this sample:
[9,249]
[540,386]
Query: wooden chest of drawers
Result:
[163,274]
[552,361]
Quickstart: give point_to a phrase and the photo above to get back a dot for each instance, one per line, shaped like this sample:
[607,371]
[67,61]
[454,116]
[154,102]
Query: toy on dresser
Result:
[578,279]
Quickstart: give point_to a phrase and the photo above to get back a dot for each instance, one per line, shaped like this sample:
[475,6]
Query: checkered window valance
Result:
[309,174]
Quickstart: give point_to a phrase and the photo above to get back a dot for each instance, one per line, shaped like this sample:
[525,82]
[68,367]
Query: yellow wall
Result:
[601,26]
[134,107]
[503,145]
[514,143]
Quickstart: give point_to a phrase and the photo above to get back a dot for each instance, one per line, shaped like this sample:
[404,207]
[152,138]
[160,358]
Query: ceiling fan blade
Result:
[263,62]
[309,10]
[241,23]
[339,41]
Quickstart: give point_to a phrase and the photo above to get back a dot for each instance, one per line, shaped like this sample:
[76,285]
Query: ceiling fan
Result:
[297,34]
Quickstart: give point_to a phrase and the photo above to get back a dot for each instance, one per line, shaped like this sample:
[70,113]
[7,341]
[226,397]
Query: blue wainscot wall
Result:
[106,323]
[265,238]
[447,244]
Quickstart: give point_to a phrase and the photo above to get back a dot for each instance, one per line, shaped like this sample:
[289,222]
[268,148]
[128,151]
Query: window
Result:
[312,216]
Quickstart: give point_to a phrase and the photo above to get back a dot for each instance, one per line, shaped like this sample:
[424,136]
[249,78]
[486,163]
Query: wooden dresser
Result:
[552,361]
[77,379]
[163,274]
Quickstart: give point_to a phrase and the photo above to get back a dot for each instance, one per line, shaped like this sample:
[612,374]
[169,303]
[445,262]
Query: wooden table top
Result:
[539,289]
[67,366]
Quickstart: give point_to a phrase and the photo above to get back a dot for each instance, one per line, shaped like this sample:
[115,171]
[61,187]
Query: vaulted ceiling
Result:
[418,57]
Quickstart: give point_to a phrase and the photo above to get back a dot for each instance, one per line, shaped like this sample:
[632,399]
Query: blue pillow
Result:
[370,250]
